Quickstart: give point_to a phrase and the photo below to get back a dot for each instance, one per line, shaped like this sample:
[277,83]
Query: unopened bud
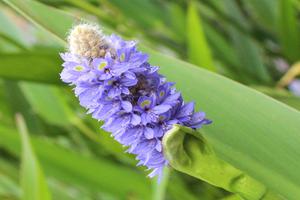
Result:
[87,41]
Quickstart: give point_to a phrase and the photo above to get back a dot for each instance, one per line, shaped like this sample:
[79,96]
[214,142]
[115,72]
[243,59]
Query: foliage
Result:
[250,42]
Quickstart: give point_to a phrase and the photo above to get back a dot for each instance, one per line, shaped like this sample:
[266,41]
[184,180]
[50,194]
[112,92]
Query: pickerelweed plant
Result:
[117,85]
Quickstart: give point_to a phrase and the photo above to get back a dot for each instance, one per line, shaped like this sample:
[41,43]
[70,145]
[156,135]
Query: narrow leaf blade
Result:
[288,30]
[198,49]
[32,178]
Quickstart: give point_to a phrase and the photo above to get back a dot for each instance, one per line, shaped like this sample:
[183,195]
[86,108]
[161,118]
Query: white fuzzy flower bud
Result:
[87,41]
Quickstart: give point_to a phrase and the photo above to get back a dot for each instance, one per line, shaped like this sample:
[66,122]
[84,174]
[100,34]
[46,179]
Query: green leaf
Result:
[31,66]
[232,197]
[188,152]
[8,187]
[58,22]
[177,21]
[32,178]
[17,103]
[251,131]
[95,174]
[7,116]
[264,11]
[11,32]
[288,30]
[223,51]
[132,9]
[251,65]
[281,95]
[198,49]
[292,101]
[45,101]
[247,125]
[250,59]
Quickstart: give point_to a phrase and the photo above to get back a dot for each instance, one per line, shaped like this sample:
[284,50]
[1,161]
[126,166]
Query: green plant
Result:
[240,40]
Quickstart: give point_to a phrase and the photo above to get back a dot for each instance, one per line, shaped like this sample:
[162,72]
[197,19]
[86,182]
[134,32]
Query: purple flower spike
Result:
[116,84]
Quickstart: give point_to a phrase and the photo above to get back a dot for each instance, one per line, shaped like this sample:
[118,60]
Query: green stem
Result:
[289,76]
[160,186]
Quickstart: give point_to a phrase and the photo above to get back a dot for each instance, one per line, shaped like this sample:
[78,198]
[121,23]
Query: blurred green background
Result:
[254,42]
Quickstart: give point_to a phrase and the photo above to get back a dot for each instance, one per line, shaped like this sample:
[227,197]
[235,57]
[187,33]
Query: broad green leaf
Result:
[251,131]
[96,174]
[57,23]
[288,30]
[33,181]
[31,66]
[247,125]
[10,32]
[281,95]
[188,152]
[292,101]
[199,52]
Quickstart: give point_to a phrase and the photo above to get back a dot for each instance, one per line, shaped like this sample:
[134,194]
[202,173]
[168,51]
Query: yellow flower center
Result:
[162,93]
[145,103]
[109,82]
[79,68]
[102,65]
[122,57]
[161,118]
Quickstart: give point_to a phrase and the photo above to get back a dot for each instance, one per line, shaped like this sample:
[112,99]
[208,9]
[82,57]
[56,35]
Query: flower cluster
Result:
[119,87]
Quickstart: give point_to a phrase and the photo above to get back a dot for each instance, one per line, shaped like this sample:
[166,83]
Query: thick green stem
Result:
[160,186]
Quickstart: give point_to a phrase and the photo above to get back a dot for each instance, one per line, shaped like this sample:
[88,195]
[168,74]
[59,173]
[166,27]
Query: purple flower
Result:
[137,105]
[103,67]
[149,108]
